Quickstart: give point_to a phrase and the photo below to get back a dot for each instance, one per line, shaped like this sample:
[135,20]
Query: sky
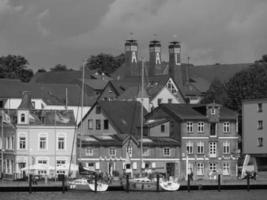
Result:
[50,32]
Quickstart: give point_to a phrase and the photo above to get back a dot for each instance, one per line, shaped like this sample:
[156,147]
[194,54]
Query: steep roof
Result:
[48,117]
[52,94]
[123,115]
[195,111]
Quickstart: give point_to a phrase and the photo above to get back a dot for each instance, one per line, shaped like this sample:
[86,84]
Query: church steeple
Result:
[154,56]
[131,57]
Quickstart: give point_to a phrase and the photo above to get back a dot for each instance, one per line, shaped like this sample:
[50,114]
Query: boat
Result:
[101,187]
[169,185]
[78,184]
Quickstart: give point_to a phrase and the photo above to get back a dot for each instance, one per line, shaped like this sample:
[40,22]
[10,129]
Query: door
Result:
[170,169]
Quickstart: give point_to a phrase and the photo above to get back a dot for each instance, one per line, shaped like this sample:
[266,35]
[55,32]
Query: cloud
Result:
[44,31]
[7,7]
[209,30]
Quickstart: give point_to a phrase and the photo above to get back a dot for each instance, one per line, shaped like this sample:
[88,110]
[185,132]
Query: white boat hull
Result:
[169,185]
[101,187]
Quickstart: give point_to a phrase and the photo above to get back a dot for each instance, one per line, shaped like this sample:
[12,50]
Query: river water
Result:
[121,195]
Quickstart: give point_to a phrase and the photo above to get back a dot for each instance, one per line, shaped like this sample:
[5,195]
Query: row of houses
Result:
[50,129]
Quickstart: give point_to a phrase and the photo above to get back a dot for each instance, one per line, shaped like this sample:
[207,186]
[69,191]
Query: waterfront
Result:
[84,195]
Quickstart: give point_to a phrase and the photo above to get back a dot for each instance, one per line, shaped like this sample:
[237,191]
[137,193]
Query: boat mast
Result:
[2,147]
[142,115]
[80,145]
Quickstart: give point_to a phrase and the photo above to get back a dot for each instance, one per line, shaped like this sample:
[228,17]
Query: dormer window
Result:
[22,118]
[98,109]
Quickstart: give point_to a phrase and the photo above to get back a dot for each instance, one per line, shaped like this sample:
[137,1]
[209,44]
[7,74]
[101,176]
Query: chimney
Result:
[154,56]
[131,56]
[174,58]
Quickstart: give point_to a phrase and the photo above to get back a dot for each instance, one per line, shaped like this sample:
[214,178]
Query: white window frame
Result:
[60,160]
[129,151]
[38,159]
[226,168]
[90,124]
[226,127]
[112,151]
[212,149]
[89,151]
[189,127]
[200,127]
[22,135]
[212,166]
[190,147]
[43,135]
[226,147]
[200,146]
[62,135]
[200,168]
[166,151]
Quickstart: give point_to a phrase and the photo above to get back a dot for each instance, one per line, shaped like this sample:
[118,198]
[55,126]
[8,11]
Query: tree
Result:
[59,68]
[104,62]
[41,70]
[216,93]
[247,84]
[15,67]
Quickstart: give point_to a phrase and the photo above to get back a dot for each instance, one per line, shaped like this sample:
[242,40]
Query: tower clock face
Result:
[177,50]
[133,48]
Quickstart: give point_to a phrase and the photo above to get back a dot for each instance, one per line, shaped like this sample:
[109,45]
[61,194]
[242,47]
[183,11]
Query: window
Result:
[22,142]
[212,149]
[212,167]
[260,141]
[169,100]
[171,87]
[226,127]
[145,152]
[89,151]
[259,107]
[200,127]
[98,124]
[200,169]
[42,162]
[129,151]
[159,101]
[1,104]
[213,111]
[61,162]
[189,127]
[22,117]
[226,147]
[166,151]
[226,168]
[42,143]
[260,125]
[112,152]
[162,128]
[200,147]
[97,109]
[106,124]
[33,104]
[213,129]
[61,143]
[190,147]
[90,124]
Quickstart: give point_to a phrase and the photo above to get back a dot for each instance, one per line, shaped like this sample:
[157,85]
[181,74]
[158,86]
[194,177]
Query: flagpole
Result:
[55,145]
[2,152]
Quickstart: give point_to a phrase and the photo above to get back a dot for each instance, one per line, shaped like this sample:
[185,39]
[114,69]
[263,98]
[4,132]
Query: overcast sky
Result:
[50,32]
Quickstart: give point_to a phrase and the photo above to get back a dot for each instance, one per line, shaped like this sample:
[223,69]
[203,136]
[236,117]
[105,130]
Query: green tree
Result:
[59,68]
[247,84]
[104,62]
[41,70]
[15,67]
[216,93]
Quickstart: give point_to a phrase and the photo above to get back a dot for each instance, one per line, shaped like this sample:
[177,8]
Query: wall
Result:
[251,133]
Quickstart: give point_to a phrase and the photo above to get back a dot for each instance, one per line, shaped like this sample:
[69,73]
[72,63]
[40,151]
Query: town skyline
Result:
[52,32]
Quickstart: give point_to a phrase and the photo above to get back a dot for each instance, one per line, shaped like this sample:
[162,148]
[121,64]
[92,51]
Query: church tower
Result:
[174,57]
[154,57]
[131,57]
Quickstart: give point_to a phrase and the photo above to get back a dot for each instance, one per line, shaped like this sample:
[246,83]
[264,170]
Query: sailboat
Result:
[144,183]
[87,181]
